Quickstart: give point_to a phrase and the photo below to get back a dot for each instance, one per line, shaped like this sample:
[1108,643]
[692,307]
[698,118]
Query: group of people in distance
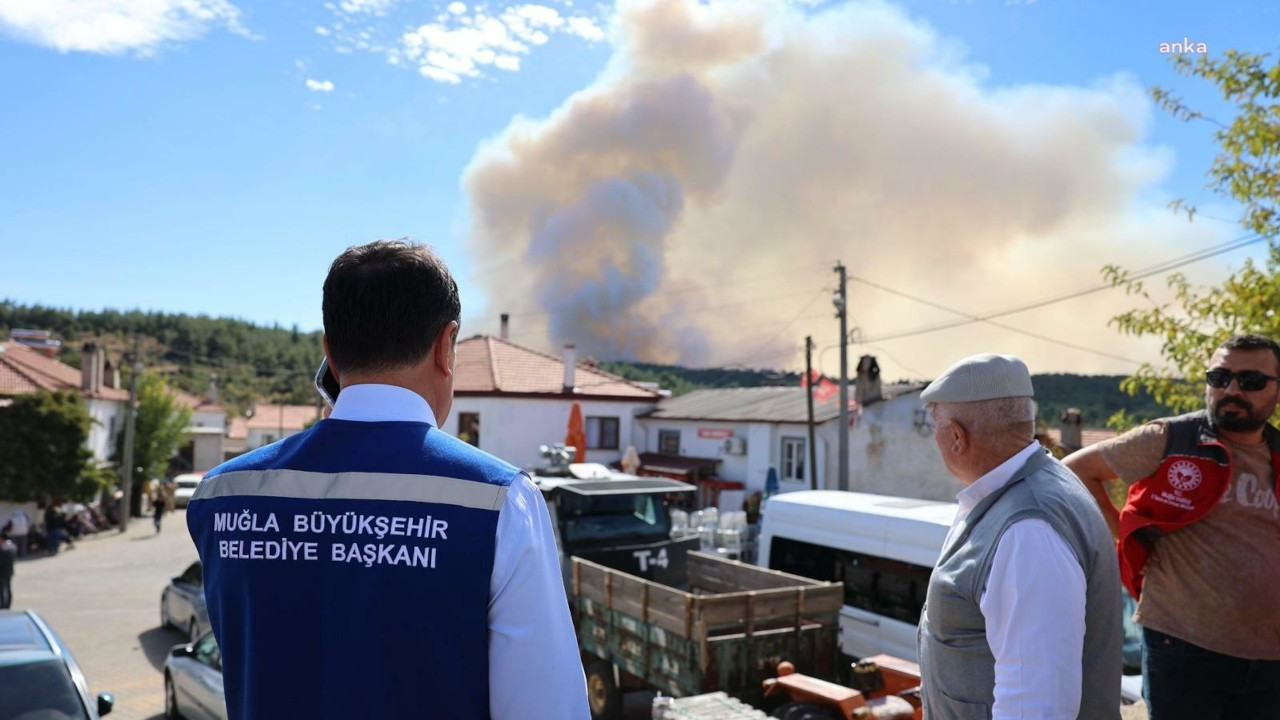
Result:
[465,605]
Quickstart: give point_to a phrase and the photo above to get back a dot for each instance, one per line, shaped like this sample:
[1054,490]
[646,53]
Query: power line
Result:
[784,328]
[1159,268]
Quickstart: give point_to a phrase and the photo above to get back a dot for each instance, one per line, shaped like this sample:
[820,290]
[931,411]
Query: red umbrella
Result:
[577,437]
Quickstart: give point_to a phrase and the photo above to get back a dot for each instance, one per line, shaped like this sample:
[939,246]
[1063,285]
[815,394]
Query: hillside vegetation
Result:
[272,364]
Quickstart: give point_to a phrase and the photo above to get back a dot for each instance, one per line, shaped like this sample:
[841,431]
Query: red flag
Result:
[825,390]
[813,377]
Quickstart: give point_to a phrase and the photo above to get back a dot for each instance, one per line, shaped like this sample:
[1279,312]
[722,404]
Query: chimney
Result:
[213,388]
[1072,422]
[91,361]
[111,375]
[867,384]
[570,363]
[506,320]
[86,367]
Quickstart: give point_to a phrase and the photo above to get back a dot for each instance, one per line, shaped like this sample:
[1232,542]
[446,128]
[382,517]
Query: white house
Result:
[25,370]
[265,424]
[743,432]
[207,430]
[508,400]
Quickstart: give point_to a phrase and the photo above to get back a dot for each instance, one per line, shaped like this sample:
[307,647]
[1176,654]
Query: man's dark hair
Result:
[1253,342]
[385,303]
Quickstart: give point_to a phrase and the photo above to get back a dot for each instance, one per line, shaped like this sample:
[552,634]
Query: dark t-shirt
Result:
[8,553]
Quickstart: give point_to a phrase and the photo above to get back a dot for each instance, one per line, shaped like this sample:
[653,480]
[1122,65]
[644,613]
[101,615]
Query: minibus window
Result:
[886,587]
[801,558]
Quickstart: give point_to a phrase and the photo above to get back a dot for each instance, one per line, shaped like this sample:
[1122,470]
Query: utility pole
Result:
[131,414]
[808,374]
[842,447]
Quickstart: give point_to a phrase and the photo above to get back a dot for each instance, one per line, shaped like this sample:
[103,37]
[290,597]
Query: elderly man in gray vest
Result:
[1023,613]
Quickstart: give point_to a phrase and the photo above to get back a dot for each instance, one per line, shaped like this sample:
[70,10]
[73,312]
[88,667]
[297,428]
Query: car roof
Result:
[638,486]
[24,639]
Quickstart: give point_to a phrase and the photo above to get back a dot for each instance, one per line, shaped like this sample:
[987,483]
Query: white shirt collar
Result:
[997,478]
[382,403]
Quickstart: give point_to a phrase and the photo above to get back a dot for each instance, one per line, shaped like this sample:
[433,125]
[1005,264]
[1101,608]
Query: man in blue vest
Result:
[1022,617]
[373,566]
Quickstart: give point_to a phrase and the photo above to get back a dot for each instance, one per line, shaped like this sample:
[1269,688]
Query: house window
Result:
[602,433]
[669,442]
[793,458]
[469,428]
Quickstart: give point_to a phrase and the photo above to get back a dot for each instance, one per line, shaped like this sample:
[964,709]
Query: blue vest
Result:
[347,572]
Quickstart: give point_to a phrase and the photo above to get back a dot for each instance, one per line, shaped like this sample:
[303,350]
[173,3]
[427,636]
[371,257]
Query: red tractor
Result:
[887,688]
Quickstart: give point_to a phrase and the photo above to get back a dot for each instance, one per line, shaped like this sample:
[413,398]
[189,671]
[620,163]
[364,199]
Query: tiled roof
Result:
[488,365]
[272,417]
[1087,436]
[196,402]
[760,404]
[23,370]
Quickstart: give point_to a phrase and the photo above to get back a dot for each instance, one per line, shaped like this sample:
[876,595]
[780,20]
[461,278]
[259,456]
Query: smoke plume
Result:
[690,205]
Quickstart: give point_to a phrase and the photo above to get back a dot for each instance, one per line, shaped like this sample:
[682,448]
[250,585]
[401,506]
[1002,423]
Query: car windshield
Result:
[614,517]
[43,689]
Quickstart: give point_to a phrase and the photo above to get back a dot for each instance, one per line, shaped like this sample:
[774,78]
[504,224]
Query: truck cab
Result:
[616,519]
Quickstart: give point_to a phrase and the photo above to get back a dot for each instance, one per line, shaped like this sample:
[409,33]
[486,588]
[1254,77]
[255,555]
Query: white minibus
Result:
[882,548]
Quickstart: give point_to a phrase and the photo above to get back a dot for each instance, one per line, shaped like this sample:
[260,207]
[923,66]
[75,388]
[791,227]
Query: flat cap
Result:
[981,377]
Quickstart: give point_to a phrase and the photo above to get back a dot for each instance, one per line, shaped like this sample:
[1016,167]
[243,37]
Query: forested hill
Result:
[275,363]
[251,361]
[1097,396]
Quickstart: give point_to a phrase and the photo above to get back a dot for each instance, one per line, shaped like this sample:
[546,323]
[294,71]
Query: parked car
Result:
[193,681]
[184,486]
[38,676]
[182,602]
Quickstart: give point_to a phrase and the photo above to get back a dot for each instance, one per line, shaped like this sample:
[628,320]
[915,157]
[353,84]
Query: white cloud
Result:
[320,85]
[113,27]
[465,41]
[366,7]
[585,28]
[323,31]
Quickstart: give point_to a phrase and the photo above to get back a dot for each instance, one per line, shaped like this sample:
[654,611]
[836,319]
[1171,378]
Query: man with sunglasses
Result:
[1199,540]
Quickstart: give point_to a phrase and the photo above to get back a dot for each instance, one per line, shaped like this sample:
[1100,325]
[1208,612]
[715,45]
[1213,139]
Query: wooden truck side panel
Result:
[727,633]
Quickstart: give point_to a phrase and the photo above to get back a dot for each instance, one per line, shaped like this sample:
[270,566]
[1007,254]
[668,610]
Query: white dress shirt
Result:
[535,669]
[1034,606]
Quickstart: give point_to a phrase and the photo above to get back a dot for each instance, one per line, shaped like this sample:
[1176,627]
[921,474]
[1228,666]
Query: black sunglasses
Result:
[1247,380]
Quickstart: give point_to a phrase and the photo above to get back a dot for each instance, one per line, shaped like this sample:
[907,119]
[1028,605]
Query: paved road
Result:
[103,598]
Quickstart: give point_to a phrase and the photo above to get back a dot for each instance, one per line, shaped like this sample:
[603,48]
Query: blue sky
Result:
[216,161]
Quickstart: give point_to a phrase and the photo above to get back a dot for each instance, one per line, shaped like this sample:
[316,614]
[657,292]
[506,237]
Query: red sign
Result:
[715,433]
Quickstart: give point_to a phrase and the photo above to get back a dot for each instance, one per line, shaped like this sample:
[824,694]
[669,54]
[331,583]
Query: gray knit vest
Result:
[956,663]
